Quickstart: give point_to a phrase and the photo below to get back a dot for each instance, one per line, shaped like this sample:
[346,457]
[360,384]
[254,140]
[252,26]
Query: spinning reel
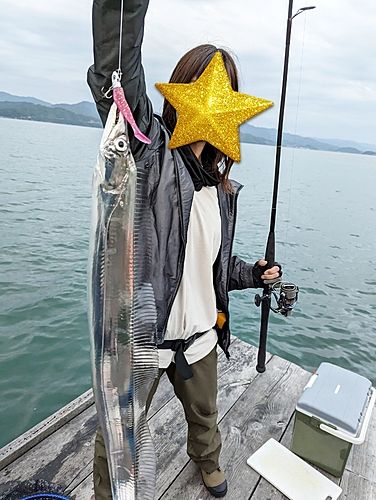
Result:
[285,295]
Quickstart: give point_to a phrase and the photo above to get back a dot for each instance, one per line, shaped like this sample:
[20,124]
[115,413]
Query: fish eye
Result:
[120,144]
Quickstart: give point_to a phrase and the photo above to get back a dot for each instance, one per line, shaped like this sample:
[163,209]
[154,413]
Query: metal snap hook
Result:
[108,93]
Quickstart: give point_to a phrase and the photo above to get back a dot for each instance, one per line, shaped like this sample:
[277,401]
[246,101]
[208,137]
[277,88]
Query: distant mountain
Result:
[4,96]
[261,135]
[85,108]
[39,113]
[81,108]
[85,113]
[346,143]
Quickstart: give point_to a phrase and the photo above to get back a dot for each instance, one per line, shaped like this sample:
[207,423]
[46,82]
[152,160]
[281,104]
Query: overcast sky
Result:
[45,49]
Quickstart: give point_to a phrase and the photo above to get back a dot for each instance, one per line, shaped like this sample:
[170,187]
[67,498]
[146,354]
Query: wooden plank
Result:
[262,411]
[271,416]
[356,486]
[36,434]
[353,487]
[82,488]
[53,459]
[82,474]
[59,457]
[84,491]
[53,445]
[362,459]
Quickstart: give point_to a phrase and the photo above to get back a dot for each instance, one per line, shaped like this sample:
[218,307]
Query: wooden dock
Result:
[252,407]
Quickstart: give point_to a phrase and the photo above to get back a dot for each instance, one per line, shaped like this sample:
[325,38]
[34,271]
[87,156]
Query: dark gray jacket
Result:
[170,188]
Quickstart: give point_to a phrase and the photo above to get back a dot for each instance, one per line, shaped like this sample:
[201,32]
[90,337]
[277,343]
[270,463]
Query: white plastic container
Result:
[332,414]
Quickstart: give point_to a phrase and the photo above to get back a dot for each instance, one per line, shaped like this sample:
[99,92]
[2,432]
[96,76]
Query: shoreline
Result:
[95,126]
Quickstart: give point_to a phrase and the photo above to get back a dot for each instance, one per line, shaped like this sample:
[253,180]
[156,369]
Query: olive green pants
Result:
[198,396]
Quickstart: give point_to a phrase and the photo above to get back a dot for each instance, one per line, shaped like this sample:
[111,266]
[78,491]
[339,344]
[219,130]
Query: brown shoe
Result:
[215,482]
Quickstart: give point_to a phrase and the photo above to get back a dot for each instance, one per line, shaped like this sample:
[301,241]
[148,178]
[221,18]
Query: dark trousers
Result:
[198,396]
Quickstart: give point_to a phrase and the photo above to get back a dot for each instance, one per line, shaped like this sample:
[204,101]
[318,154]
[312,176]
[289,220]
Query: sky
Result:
[46,48]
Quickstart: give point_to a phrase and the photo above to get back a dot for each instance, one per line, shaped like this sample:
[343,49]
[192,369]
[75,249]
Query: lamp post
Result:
[270,246]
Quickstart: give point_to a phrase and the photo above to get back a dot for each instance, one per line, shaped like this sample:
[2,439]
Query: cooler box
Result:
[332,414]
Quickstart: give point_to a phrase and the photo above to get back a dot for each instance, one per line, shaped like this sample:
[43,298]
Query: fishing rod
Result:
[285,294]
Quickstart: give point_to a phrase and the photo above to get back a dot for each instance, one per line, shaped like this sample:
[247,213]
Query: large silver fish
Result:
[122,313]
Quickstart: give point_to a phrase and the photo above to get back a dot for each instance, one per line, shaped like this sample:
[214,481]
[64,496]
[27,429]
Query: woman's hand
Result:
[263,276]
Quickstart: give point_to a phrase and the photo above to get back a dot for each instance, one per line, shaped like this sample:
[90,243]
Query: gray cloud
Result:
[46,48]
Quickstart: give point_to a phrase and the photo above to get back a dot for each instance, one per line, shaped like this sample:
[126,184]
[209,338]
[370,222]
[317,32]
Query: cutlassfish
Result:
[122,312]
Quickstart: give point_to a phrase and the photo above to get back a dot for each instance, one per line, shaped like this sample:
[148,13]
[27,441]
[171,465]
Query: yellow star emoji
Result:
[210,110]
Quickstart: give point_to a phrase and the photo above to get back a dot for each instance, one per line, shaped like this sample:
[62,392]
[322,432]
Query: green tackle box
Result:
[332,414]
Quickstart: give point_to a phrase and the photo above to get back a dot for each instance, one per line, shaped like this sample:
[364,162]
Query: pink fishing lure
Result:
[125,110]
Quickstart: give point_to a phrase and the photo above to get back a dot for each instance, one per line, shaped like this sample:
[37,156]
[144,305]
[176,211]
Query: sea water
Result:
[326,242]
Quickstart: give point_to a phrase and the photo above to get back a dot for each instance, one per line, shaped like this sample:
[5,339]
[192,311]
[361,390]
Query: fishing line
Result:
[121,34]
[108,93]
[293,149]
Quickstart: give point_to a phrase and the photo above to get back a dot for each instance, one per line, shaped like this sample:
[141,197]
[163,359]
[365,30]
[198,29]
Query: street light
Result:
[302,10]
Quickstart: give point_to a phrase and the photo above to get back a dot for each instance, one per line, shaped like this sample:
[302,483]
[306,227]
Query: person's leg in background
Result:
[198,396]
[101,476]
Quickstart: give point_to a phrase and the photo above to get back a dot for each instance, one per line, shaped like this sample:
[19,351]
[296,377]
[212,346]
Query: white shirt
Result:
[194,308]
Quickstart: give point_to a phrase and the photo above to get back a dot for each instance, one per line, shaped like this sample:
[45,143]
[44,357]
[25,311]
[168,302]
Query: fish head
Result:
[118,160]
[116,147]
[115,157]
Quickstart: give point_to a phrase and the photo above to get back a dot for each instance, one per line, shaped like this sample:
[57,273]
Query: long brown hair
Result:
[190,67]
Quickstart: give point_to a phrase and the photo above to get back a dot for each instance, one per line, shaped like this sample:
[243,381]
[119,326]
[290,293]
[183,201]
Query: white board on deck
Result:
[291,475]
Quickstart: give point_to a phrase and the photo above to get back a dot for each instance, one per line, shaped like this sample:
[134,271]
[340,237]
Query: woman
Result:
[193,209]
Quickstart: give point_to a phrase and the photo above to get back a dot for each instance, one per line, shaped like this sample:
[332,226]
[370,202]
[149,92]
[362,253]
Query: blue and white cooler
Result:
[332,414]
